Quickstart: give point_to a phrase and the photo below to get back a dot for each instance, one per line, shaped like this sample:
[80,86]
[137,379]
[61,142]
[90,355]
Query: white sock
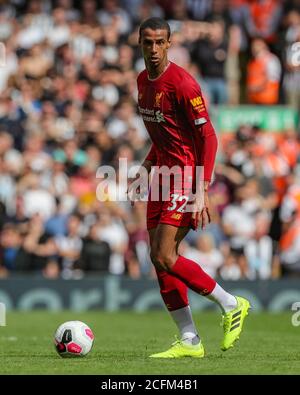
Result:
[225,300]
[185,324]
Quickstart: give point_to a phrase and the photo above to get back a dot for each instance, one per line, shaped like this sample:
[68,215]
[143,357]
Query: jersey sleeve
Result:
[190,100]
[207,145]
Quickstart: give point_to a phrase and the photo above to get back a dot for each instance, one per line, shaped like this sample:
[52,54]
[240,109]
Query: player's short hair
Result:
[155,23]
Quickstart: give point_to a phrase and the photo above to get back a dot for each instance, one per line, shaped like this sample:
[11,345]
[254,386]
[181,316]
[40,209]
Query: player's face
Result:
[155,44]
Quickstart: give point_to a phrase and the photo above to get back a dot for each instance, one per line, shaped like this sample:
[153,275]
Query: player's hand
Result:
[135,192]
[201,215]
[131,192]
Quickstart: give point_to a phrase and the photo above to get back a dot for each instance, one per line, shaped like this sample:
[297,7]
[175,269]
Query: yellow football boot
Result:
[233,323]
[181,350]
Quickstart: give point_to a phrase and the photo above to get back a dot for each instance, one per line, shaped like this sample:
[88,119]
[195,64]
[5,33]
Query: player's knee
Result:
[162,260]
[155,262]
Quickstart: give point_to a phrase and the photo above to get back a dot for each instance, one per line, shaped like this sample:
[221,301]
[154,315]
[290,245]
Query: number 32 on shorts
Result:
[178,202]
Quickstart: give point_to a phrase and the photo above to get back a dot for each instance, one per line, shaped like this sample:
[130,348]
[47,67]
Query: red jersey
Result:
[174,114]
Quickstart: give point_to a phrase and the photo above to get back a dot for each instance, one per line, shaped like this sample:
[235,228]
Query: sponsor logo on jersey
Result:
[197,103]
[159,116]
[150,115]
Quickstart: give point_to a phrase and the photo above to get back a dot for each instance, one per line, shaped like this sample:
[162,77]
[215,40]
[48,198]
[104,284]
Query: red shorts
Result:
[172,212]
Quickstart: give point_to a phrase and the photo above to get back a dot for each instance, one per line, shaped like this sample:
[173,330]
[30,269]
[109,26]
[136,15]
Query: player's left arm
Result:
[206,144]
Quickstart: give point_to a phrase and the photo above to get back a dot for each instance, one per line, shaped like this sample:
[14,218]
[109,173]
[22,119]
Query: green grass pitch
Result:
[269,344]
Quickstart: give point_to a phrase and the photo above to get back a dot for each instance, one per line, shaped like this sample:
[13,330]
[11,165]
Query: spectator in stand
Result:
[10,245]
[206,254]
[89,13]
[38,249]
[264,19]
[69,247]
[259,250]
[95,254]
[289,247]
[239,226]
[290,205]
[137,255]
[113,14]
[112,230]
[263,75]
[44,202]
[232,65]
[290,5]
[178,53]
[197,9]
[67,6]
[18,217]
[125,118]
[210,54]
[288,146]
[291,81]
[220,9]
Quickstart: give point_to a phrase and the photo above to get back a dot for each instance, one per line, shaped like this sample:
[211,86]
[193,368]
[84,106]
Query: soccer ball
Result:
[73,339]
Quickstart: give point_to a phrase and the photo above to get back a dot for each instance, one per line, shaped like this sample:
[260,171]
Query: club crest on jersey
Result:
[140,95]
[158,98]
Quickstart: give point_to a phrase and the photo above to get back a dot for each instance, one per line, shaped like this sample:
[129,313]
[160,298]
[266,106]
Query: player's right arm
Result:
[148,162]
[150,159]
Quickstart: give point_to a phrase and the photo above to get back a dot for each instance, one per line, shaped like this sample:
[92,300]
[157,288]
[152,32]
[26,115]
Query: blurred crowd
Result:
[68,104]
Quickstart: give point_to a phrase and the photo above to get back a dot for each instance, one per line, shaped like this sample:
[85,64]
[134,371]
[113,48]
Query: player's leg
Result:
[164,255]
[174,295]
[172,289]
